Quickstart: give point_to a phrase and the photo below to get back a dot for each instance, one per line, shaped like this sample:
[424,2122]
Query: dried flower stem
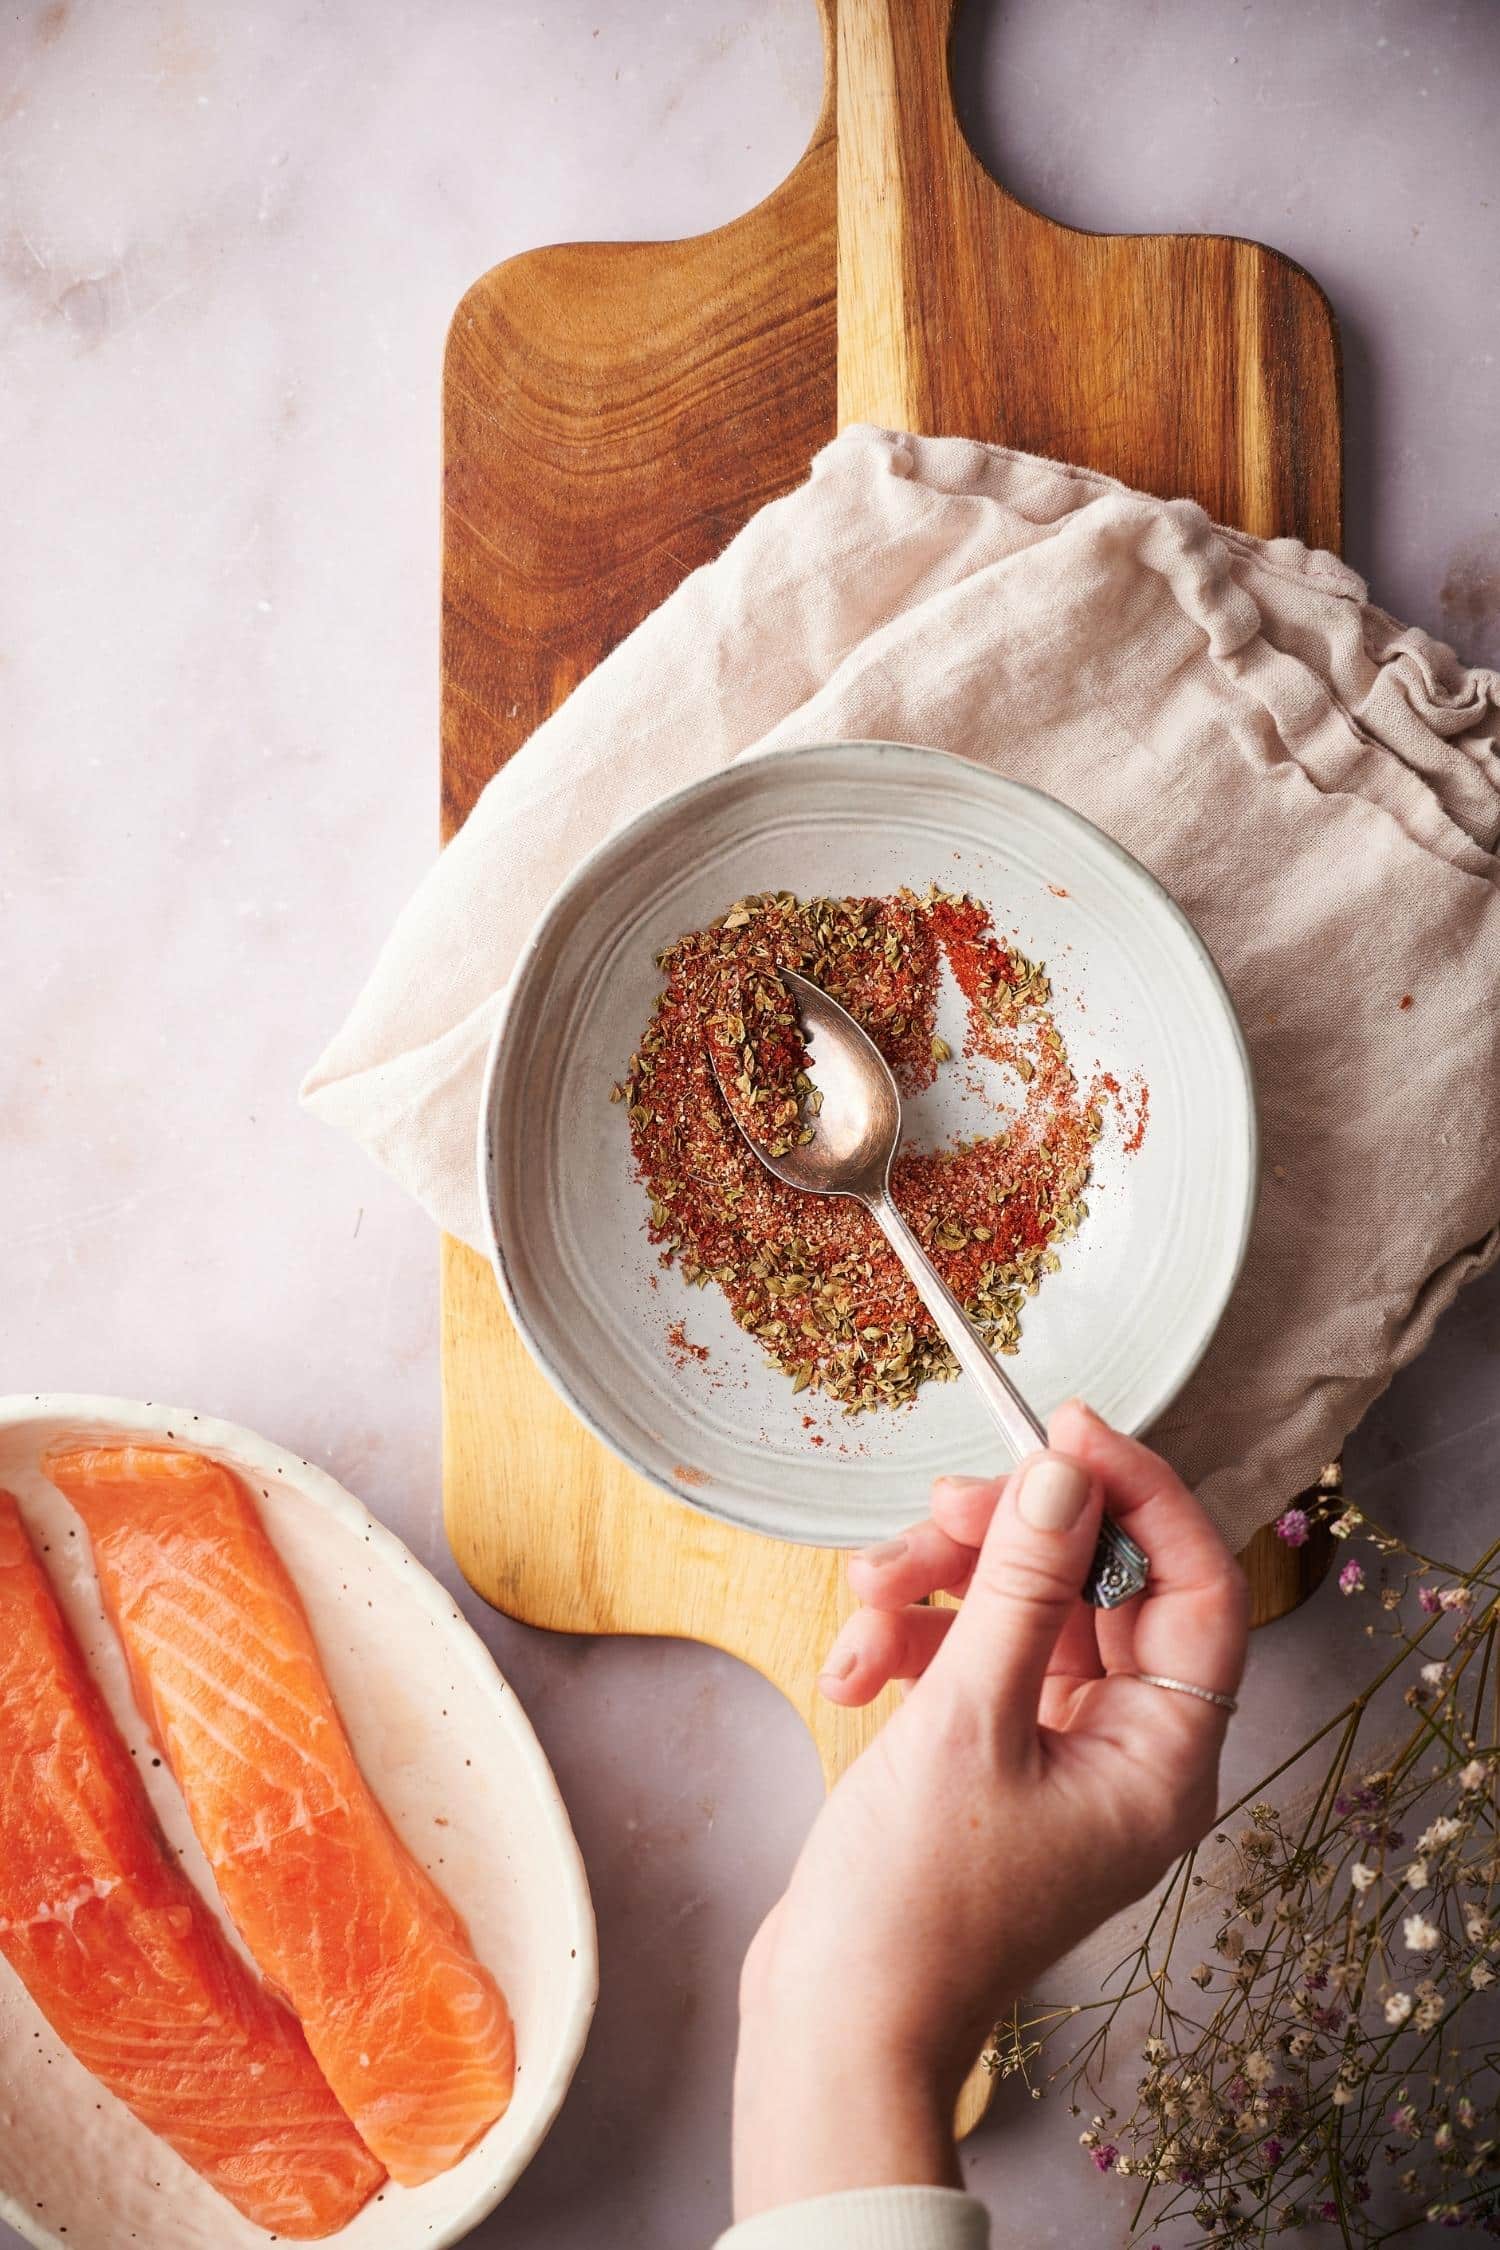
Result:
[1340,2036]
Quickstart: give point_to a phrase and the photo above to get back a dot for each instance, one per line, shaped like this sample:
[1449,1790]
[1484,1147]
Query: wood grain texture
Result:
[556,1530]
[1185,364]
[612,414]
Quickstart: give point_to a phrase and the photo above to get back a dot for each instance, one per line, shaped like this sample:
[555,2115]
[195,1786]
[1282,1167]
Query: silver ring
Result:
[1186,1687]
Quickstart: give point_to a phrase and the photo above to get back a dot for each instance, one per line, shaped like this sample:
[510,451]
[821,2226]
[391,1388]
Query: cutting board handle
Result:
[906,174]
[878,24]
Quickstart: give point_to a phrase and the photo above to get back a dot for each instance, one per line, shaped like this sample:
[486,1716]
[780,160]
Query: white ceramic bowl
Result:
[1142,1287]
[451,1756]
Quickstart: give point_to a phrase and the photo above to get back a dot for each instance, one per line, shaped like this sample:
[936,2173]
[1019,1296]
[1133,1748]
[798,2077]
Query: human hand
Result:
[1028,1788]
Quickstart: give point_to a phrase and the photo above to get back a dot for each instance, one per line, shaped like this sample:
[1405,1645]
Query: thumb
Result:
[1025,1586]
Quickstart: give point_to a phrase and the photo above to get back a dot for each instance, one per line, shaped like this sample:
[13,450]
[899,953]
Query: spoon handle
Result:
[1012,1417]
[1118,1569]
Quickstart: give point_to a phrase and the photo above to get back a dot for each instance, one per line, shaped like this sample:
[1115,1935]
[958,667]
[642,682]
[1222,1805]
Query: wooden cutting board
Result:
[612,414]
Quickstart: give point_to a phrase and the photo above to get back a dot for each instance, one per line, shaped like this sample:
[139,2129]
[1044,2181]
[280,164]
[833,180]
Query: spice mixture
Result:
[812,1277]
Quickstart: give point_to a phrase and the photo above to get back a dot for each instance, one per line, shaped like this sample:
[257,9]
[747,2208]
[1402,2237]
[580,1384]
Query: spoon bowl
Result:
[856,1132]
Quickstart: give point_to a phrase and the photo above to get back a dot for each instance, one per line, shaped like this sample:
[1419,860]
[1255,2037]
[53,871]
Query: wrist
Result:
[817,2117]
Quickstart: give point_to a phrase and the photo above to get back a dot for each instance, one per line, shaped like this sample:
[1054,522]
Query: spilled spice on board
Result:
[812,1277]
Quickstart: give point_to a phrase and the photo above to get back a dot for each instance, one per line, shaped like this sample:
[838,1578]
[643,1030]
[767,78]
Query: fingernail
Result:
[837,1667]
[889,1550]
[1053,1494]
[967,1488]
[1082,1406]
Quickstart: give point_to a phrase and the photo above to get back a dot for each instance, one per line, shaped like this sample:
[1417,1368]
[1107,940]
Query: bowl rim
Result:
[246,1447]
[640,825]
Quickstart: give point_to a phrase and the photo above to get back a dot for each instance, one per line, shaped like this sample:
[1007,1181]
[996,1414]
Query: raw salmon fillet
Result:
[125,1960]
[409,2029]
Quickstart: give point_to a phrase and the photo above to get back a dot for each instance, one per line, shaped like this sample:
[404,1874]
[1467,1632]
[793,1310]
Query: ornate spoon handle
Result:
[1118,1569]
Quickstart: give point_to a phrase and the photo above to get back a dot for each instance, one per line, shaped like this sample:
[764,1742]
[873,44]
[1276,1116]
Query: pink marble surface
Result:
[231,242]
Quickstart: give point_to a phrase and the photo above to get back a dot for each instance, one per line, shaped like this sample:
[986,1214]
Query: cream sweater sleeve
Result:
[892,2218]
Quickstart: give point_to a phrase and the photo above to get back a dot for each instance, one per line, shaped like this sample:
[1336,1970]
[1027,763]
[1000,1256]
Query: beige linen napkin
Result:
[1317,786]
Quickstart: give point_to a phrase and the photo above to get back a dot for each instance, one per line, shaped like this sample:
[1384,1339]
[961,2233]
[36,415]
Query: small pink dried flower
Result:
[1352,1578]
[1294,1527]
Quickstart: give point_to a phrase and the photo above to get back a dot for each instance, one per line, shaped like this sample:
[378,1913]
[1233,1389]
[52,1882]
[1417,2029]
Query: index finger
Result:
[961,1511]
[1192,1622]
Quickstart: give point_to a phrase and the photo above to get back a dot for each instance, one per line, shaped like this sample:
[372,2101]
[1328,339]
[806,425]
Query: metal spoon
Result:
[855,1135]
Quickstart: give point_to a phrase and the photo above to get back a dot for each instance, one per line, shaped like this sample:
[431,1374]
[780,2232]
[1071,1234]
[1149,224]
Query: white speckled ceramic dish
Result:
[452,1758]
[1141,1288]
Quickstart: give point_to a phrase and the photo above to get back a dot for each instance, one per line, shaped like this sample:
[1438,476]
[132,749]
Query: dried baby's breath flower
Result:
[1307,2066]
[1429,2008]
